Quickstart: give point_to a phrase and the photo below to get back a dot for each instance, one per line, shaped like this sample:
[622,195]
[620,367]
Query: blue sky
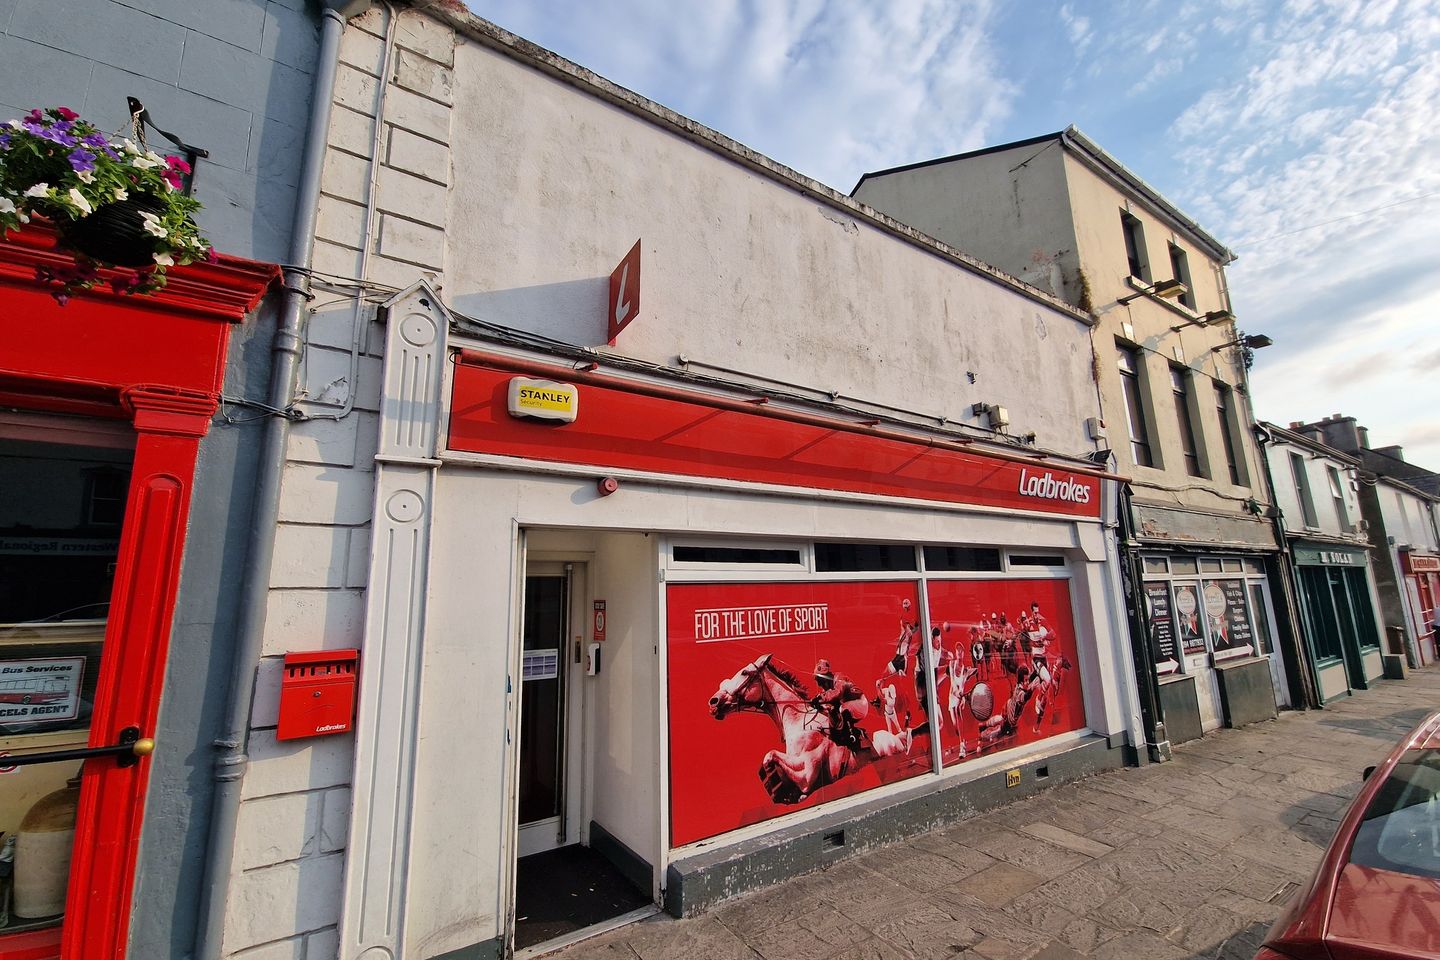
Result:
[1301,133]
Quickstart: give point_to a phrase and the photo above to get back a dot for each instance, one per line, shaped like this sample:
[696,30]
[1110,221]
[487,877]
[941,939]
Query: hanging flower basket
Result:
[114,204]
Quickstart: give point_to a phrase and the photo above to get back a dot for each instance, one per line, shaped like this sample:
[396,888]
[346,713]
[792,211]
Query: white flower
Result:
[39,190]
[152,155]
[23,217]
[144,163]
[81,204]
[121,193]
[7,205]
[164,260]
[152,225]
[130,147]
[15,125]
[86,176]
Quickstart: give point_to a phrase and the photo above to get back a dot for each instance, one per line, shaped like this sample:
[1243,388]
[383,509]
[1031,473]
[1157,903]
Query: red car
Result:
[1376,895]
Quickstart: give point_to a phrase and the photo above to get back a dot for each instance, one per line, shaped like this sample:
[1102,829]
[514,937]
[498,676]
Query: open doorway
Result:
[567,880]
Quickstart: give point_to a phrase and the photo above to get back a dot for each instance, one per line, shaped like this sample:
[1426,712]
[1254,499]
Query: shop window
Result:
[1223,409]
[1260,617]
[1231,565]
[1131,385]
[1182,565]
[1302,490]
[959,559]
[1180,270]
[1180,387]
[1337,497]
[1321,616]
[735,555]
[1036,560]
[1210,565]
[848,557]
[1254,567]
[1156,565]
[1135,247]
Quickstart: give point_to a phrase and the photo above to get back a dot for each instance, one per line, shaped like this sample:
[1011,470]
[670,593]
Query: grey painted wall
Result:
[233,77]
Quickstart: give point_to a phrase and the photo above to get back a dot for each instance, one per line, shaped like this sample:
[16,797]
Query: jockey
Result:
[843,701]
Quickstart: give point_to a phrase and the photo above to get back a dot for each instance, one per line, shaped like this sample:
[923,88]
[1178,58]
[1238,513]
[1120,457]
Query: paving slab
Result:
[1191,860]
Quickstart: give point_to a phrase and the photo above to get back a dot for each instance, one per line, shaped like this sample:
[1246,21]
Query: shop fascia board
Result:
[586,81]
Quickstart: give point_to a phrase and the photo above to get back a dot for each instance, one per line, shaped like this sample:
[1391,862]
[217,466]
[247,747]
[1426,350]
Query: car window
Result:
[1401,829]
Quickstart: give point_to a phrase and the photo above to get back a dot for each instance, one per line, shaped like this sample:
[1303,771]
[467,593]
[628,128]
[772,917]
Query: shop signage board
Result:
[1163,647]
[1329,557]
[1417,563]
[624,304]
[748,741]
[544,400]
[1187,618]
[1005,658]
[1227,616]
[693,435]
[39,691]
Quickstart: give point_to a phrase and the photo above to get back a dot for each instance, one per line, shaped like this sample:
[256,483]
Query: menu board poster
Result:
[1188,615]
[1228,618]
[1163,647]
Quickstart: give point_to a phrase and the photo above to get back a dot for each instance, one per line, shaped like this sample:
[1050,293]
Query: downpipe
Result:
[231,760]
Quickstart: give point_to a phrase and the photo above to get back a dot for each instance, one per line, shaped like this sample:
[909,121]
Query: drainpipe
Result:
[230,757]
[1147,682]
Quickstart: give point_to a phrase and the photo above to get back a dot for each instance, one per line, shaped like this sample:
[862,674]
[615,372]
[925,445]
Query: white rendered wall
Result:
[1286,498]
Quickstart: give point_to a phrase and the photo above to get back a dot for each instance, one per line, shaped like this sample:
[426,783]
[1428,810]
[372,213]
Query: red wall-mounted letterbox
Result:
[317,693]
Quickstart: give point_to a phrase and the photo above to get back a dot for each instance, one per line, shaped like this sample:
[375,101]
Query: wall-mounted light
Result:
[1165,289]
[1252,341]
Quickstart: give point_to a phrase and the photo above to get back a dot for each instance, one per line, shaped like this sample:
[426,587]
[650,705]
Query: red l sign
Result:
[624,293]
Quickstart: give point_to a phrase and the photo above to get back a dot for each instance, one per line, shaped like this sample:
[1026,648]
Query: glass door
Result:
[65,486]
[542,713]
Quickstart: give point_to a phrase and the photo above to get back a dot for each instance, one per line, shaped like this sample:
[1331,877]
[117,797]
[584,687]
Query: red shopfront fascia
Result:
[157,362]
[660,429]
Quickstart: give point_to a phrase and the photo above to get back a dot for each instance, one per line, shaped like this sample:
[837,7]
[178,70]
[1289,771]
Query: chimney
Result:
[1296,424]
[1364,437]
[1394,450]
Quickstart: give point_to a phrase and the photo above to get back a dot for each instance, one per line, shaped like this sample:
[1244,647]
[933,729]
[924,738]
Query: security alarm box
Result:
[317,694]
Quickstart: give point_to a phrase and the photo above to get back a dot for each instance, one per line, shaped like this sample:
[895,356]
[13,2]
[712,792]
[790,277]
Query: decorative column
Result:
[377,859]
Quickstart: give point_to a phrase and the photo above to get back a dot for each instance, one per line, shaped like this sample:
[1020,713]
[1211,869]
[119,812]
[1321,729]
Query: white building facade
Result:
[808,555]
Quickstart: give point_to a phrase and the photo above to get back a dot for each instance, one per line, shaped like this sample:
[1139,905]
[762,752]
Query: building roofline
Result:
[1103,163]
[454,13]
[1300,440]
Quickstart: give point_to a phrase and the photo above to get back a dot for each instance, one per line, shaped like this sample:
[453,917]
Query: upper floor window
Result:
[1337,495]
[1302,490]
[1180,270]
[1134,405]
[1180,386]
[1135,247]
[1227,434]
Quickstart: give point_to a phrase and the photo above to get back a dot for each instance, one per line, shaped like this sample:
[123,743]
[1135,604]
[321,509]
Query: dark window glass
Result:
[1180,385]
[105,496]
[1135,247]
[1337,497]
[735,555]
[844,557]
[1134,409]
[1401,829]
[1302,490]
[944,559]
[1227,438]
[1036,561]
[1180,270]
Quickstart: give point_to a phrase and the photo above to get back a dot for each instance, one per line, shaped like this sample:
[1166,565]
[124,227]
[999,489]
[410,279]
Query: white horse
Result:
[811,758]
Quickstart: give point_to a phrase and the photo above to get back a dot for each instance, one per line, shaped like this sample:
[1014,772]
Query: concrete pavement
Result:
[1188,859]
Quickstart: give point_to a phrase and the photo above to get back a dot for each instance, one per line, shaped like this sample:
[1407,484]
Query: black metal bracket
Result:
[123,751]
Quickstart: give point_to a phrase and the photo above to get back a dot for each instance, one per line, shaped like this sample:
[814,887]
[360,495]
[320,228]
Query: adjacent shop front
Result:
[1422,590]
[1211,617]
[670,627]
[103,404]
[1337,603]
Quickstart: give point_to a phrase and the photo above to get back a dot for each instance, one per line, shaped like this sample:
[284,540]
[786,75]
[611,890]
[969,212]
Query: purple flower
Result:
[55,135]
[4,141]
[82,160]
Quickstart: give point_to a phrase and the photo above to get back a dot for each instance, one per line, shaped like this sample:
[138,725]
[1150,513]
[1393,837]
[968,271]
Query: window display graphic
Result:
[1187,610]
[1162,628]
[788,695]
[1005,664]
[37,690]
[1228,619]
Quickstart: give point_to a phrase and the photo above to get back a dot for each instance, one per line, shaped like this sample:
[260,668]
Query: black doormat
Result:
[561,891]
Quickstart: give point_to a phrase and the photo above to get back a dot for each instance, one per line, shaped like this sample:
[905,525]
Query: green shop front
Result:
[1337,603]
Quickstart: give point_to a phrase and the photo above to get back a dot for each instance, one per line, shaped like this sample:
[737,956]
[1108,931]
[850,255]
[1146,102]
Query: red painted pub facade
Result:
[103,406]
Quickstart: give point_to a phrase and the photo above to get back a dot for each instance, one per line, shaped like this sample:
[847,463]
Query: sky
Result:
[1301,133]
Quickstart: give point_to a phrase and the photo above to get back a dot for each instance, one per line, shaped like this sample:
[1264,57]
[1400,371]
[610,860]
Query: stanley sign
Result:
[543,400]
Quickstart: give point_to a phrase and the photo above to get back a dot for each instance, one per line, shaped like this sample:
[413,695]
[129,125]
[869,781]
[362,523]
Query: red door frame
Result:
[158,362]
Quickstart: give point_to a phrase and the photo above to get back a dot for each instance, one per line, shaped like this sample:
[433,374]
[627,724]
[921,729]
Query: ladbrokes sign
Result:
[1044,486]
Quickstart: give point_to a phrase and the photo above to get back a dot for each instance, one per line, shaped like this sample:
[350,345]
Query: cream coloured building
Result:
[1061,213]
